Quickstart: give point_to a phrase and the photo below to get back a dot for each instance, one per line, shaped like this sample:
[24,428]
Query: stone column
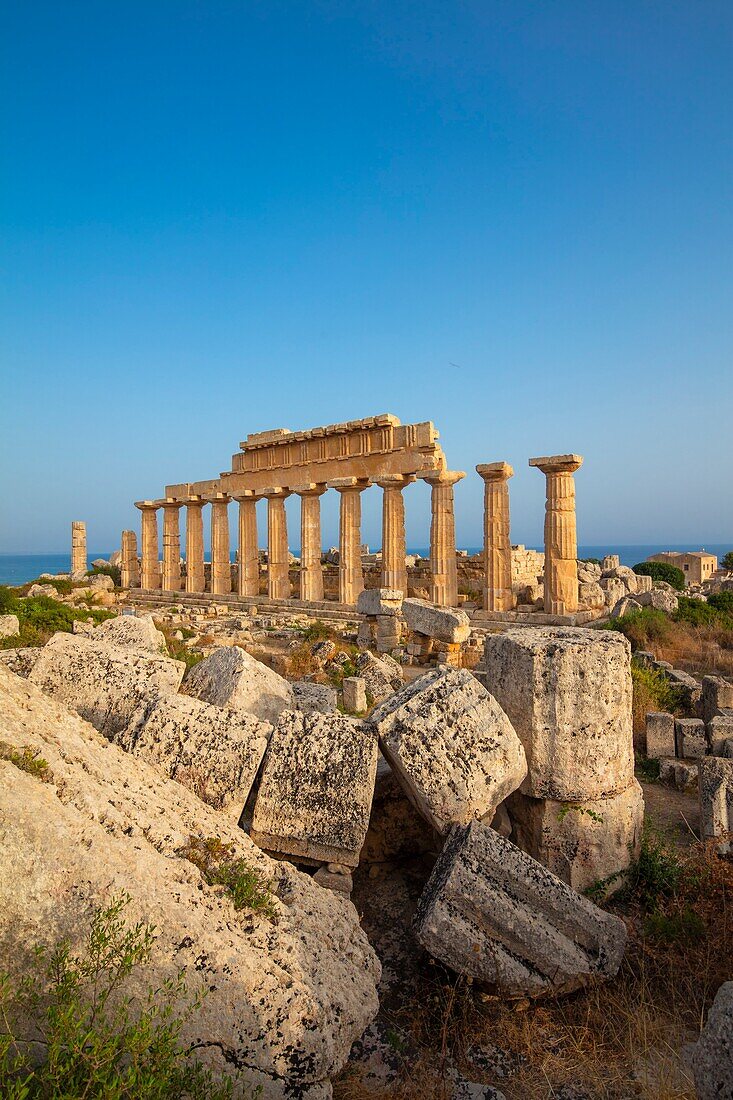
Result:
[149,562]
[311,573]
[498,594]
[561,538]
[278,558]
[444,583]
[248,581]
[195,573]
[394,571]
[171,546]
[78,546]
[351,576]
[129,566]
[221,567]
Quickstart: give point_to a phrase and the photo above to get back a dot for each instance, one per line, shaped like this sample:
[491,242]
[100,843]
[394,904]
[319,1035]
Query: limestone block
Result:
[101,582]
[213,751]
[9,626]
[659,599]
[382,674]
[230,677]
[451,745]
[312,698]
[286,996]
[567,692]
[660,739]
[316,788]
[715,777]
[583,843]
[681,774]
[625,575]
[590,596]
[644,583]
[102,682]
[712,1055]
[355,696]
[719,733]
[611,561]
[133,632]
[491,912]
[20,661]
[379,601]
[717,694]
[436,622]
[689,735]
[329,880]
[614,590]
[396,830]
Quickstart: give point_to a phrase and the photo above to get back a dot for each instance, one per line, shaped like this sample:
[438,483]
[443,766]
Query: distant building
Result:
[697,566]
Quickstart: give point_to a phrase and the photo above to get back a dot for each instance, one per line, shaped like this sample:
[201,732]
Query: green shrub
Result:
[727,561]
[8,601]
[112,571]
[685,926]
[220,867]
[701,613]
[28,760]
[722,601]
[661,571]
[643,628]
[647,767]
[657,873]
[63,587]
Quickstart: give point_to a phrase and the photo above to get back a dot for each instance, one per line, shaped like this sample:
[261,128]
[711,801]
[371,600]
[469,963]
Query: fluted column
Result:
[278,563]
[221,566]
[78,546]
[195,573]
[394,571]
[561,537]
[171,546]
[248,581]
[311,573]
[351,576]
[129,566]
[498,594]
[443,568]
[149,563]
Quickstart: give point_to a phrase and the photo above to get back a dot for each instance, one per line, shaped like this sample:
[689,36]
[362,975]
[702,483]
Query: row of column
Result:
[444,586]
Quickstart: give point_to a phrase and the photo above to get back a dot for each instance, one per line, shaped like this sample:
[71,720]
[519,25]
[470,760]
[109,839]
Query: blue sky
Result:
[514,219]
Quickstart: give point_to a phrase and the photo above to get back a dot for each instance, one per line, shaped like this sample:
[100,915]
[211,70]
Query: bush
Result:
[652,691]
[727,561]
[219,866]
[112,571]
[643,628]
[8,601]
[661,571]
[42,616]
[722,601]
[656,874]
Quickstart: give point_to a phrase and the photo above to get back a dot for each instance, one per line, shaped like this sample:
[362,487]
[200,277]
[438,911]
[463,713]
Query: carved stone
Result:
[561,538]
[498,594]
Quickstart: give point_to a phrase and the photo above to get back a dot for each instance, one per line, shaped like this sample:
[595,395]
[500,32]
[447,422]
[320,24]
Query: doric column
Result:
[498,594]
[444,582]
[394,571]
[351,576]
[78,546]
[221,566]
[129,566]
[278,557]
[248,581]
[195,573]
[149,563]
[171,546]
[561,537]
[311,573]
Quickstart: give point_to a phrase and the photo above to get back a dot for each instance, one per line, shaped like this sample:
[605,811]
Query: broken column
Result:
[351,576]
[149,563]
[394,550]
[311,572]
[435,632]
[443,569]
[248,577]
[129,566]
[561,539]
[498,594]
[78,547]
[382,623]
[278,555]
[195,573]
[171,546]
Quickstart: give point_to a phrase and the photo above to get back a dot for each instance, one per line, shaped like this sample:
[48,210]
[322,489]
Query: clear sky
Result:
[514,219]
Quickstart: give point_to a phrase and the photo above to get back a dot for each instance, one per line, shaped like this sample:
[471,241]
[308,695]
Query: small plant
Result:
[220,867]
[657,873]
[648,768]
[652,691]
[683,927]
[28,760]
[568,807]
[318,631]
[727,561]
[112,571]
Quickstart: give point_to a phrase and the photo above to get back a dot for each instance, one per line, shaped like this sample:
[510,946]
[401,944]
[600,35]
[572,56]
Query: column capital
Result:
[168,502]
[217,498]
[443,477]
[346,484]
[275,492]
[193,502]
[145,505]
[395,481]
[312,489]
[558,464]
[244,495]
[495,471]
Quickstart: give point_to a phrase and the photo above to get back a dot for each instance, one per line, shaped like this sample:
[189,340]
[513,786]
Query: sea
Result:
[19,568]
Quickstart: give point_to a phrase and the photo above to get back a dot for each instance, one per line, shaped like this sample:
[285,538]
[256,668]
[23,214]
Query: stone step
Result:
[332,612]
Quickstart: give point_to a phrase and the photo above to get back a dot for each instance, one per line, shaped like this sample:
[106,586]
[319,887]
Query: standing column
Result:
[561,537]
[394,571]
[195,573]
[78,546]
[171,547]
[443,568]
[351,576]
[149,563]
[129,566]
[498,594]
[248,581]
[311,573]
[278,557]
[221,567]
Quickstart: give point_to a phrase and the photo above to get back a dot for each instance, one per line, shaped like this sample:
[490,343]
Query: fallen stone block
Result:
[436,622]
[355,694]
[314,698]
[330,880]
[660,740]
[451,745]
[715,784]
[133,632]
[712,1055]
[9,626]
[230,677]
[20,661]
[491,912]
[719,732]
[567,692]
[681,774]
[379,601]
[383,676]
[316,788]
[102,682]
[396,830]
[717,695]
[690,739]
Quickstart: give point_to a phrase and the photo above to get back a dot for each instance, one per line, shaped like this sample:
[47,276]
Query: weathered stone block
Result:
[690,740]
[436,622]
[355,696]
[567,692]
[660,735]
[712,1055]
[314,698]
[719,733]
[9,626]
[382,674]
[230,677]
[491,912]
[715,779]
[316,788]
[379,601]
[717,694]
[133,632]
[20,661]
[681,774]
[451,745]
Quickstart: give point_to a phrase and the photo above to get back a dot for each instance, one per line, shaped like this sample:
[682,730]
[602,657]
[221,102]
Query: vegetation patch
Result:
[28,760]
[661,571]
[42,616]
[112,571]
[220,866]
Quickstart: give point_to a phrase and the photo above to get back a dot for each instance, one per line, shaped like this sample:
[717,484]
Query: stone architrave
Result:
[311,572]
[715,786]
[130,567]
[561,537]
[443,568]
[149,562]
[351,575]
[195,573]
[278,555]
[394,549]
[248,579]
[171,546]
[498,594]
[78,546]
[221,568]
